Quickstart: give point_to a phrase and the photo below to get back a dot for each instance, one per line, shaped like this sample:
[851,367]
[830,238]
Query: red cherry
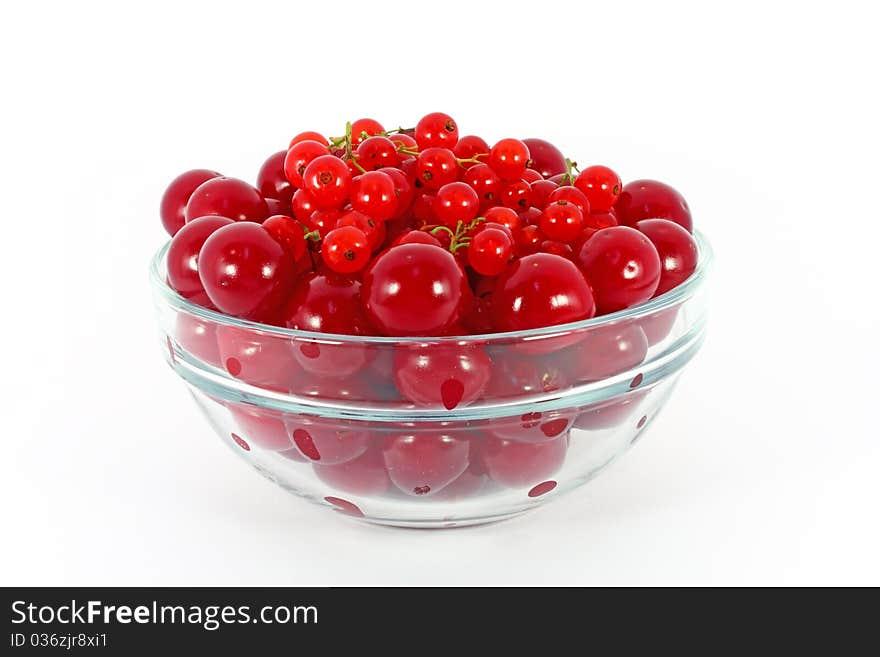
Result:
[557,248]
[271,180]
[197,336]
[260,427]
[308,135]
[227,197]
[600,185]
[374,194]
[468,147]
[436,130]
[262,360]
[657,326]
[298,157]
[346,250]
[609,414]
[622,266]
[413,289]
[485,183]
[327,441]
[244,271]
[436,167]
[376,153]
[276,207]
[328,304]
[369,126]
[466,486]
[516,375]
[433,374]
[561,221]
[416,237]
[328,182]
[508,159]
[545,158]
[677,250]
[516,464]
[604,352]
[541,290]
[365,475]
[456,202]
[289,233]
[172,209]
[424,463]
[534,427]
[183,257]
[649,199]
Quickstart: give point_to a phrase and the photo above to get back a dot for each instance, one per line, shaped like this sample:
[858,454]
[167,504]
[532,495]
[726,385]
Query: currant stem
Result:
[313,235]
[474,159]
[567,177]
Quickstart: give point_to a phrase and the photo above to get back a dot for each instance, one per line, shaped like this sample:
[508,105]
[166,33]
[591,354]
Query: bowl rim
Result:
[673,297]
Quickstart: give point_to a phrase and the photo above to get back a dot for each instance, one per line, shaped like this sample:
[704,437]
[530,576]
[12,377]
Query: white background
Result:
[763,468]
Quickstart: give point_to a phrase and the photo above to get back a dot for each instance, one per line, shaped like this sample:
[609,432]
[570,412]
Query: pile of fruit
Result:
[422,232]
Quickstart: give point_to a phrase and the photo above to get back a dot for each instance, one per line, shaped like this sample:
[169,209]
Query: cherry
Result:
[545,158]
[517,464]
[261,427]
[302,206]
[449,374]
[436,167]
[456,202]
[374,194]
[541,290]
[557,248]
[424,463]
[271,180]
[622,266]
[414,289]
[485,183]
[369,126]
[345,389]
[600,185]
[289,233]
[677,250]
[198,337]
[530,217]
[609,414]
[469,147]
[466,486]
[508,159]
[327,441]
[277,207]
[227,197]
[308,135]
[542,190]
[244,271]
[346,250]
[657,326]
[570,194]
[262,360]
[534,427]
[517,375]
[298,157]
[436,130]
[377,152]
[561,221]
[365,475]
[650,199]
[604,352]
[489,251]
[182,260]
[416,237]
[172,209]
[328,181]
[517,195]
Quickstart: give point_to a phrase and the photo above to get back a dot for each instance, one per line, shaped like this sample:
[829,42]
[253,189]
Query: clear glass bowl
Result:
[526,417]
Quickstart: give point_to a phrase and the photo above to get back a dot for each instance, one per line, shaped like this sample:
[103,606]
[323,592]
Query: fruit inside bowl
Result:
[417,328]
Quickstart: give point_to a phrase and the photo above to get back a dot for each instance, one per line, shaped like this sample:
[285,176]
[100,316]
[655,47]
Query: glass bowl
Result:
[368,428]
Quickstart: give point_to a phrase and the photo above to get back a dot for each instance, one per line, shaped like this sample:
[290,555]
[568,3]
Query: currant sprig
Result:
[460,237]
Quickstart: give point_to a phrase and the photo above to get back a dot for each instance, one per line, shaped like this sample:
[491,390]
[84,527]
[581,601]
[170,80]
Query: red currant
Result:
[436,129]
[532,176]
[377,153]
[227,197]
[172,209]
[490,251]
[600,185]
[623,267]
[369,126]
[309,135]
[557,248]
[649,199]
[542,190]
[414,289]
[528,241]
[370,227]
[505,217]
[469,147]
[545,158]
[374,194]
[402,140]
[573,195]
[328,181]
[677,250]
[416,237]
[403,191]
[323,221]
[436,167]
[517,195]
[346,250]
[485,183]
[245,272]
[561,221]
[183,257]
[298,158]
[302,205]
[508,158]
[456,202]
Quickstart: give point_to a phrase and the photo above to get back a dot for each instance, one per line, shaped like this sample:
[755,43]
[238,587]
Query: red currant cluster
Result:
[421,232]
